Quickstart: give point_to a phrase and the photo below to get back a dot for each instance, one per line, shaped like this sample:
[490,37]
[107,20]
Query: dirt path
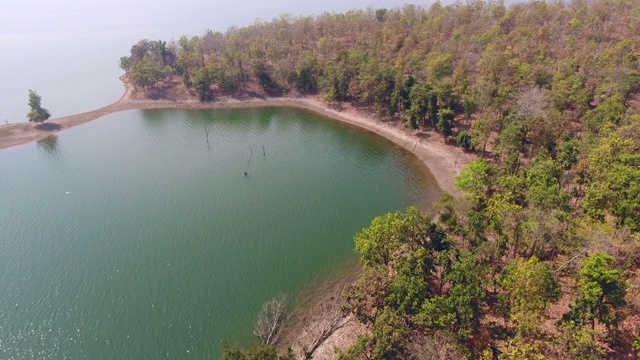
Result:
[443,160]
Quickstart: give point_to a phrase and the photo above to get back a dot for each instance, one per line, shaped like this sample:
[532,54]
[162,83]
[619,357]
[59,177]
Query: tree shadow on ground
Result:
[419,134]
[48,126]
[246,95]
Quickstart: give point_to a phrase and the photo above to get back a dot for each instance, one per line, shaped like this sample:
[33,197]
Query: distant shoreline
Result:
[444,161]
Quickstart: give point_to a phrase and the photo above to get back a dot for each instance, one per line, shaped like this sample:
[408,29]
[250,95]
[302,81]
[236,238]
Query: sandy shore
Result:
[444,161]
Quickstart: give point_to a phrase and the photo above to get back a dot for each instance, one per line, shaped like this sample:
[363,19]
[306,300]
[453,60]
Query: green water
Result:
[131,238]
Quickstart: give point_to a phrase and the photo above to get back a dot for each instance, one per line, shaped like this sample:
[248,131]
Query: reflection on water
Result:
[49,146]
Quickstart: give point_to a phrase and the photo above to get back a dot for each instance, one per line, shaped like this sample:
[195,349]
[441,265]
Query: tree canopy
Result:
[37,113]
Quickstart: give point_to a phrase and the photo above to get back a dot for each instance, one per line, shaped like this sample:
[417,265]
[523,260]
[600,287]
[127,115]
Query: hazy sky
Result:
[159,17]
[68,49]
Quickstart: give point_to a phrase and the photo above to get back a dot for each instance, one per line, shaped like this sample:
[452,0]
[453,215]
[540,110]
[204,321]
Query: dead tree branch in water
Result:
[271,320]
[249,162]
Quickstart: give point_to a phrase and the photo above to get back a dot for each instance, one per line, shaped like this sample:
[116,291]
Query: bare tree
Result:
[531,102]
[437,345]
[271,320]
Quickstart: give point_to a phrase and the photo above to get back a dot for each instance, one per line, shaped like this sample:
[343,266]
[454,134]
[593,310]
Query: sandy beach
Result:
[444,161]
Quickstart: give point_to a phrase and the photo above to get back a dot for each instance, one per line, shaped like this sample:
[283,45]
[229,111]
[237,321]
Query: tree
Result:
[460,308]
[463,139]
[271,320]
[380,14]
[419,95]
[400,96]
[399,252]
[613,179]
[409,288]
[145,72]
[600,292]
[607,115]
[378,243]
[125,63]
[445,121]
[394,236]
[376,84]
[201,83]
[531,102]
[473,178]
[529,289]
[390,336]
[305,77]
[37,113]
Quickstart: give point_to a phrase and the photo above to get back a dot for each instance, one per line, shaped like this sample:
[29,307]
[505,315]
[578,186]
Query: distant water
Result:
[68,50]
[130,237]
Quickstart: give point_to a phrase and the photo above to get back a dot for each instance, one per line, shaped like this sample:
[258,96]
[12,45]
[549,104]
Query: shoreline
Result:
[443,161]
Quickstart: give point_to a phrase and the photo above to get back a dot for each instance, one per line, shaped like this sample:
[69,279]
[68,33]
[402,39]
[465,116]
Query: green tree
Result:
[201,79]
[600,293]
[529,289]
[579,342]
[125,63]
[460,308]
[543,184]
[474,178]
[568,88]
[145,72]
[377,84]
[420,95]
[409,288]
[37,113]
[390,336]
[607,116]
[445,121]
[392,235]
[439,67]
[265,78]
[380,14]
[358,351]
[378,243]
[613,179]
[400,96]
[463,139]
[510,142]
[305,77]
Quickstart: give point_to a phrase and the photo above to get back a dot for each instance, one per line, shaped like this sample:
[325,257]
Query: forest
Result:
[539,258]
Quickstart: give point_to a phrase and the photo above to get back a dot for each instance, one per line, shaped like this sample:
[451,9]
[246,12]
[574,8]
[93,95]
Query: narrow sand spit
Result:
[444,161]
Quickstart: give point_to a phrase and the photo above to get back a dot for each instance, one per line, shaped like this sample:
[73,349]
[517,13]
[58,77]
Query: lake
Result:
[132,237]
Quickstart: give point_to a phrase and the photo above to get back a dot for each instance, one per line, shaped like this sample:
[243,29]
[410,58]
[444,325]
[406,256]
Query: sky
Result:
[158,17]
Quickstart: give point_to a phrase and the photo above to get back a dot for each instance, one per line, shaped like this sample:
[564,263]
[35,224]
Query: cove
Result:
[131,237]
